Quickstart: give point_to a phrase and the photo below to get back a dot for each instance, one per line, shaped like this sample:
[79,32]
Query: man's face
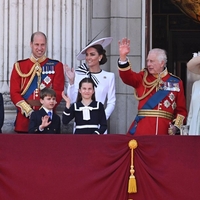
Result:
[154,66]
[38,46]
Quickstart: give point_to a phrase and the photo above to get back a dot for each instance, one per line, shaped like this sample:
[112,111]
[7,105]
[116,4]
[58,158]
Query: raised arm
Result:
[67,100]
[70,73]
[71,89]
[124,48]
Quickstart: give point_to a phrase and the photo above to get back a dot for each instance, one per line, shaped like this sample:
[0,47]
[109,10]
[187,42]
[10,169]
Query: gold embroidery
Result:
[25,108]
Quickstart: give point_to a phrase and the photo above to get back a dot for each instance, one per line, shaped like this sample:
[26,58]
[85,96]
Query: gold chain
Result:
[36,69]
[147,84]
[21,74]
[32,77]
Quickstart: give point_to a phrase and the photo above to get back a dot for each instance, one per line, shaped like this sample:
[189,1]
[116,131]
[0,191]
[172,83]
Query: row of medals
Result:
[48,70]
[45,70]
[169,86]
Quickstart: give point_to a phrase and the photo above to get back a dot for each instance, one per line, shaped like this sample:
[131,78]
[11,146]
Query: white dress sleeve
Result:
[111,98]
[71,93]
[191,106]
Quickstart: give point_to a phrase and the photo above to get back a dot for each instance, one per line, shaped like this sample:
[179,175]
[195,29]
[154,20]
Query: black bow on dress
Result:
[84,70]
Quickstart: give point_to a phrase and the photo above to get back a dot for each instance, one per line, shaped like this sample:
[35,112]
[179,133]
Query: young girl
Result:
[89,114]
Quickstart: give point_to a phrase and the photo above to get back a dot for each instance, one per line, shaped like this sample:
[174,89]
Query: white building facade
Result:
[69,26]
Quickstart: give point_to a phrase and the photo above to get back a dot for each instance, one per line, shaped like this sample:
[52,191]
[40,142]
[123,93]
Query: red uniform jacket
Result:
[18,83]
[174,103]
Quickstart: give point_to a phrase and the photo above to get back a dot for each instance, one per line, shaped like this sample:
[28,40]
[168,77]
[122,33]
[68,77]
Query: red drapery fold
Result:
[87,167]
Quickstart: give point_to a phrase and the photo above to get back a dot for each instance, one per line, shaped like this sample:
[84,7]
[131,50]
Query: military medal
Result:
[42,86]
[171,96]
[44,70]
[169,86]
[52,70]
[176,87]
[47,80]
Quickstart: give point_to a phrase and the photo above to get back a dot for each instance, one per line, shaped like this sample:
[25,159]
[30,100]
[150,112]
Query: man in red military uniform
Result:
[31,75]
[162,105]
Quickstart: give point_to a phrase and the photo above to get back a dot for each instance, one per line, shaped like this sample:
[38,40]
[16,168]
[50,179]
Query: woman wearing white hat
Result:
[95,55]
[193,120]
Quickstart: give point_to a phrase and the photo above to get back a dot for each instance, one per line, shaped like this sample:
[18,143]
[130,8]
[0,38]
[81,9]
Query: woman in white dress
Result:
[193,120]
[95,55]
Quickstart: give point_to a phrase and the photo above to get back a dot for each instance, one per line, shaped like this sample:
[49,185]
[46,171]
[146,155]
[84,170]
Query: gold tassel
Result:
[132,186]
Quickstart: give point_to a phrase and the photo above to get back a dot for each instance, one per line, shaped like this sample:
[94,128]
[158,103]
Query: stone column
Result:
[125,21]
[63,21]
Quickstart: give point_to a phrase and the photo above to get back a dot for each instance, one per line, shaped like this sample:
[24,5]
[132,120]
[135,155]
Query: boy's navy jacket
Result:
[36,121]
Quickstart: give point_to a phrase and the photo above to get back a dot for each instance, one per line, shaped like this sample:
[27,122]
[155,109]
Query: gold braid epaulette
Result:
[34,70]
[147,84]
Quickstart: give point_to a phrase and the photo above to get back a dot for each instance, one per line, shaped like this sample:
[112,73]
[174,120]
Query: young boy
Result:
[45,120]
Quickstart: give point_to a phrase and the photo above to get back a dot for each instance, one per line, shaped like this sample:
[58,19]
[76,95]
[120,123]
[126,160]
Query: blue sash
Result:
[152,102]
[33,85]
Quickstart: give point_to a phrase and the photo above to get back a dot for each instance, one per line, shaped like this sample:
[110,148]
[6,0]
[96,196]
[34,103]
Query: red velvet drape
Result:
[87,167]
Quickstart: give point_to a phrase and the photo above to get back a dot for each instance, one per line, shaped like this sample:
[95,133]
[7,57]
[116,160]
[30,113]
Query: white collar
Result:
[46,110]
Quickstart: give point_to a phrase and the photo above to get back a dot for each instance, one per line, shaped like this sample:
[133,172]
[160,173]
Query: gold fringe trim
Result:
[25,108]
[179,121]
[132,186]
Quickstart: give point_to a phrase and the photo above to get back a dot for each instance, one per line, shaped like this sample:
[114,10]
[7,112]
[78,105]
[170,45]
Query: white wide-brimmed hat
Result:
[103,42]
[194,65]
